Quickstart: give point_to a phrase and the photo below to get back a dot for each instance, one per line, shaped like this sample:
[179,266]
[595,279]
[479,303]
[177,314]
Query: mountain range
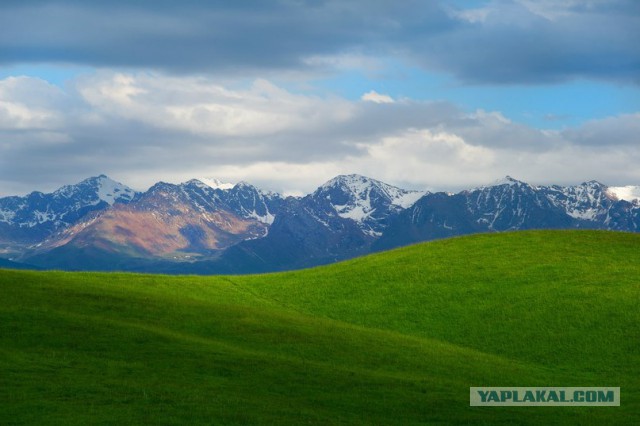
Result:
[204,226]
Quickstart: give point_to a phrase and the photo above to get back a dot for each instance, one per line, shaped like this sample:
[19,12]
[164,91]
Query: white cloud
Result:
[18,116]
[29,103]
[141,128]
[202,107]
[425,158]
[377,98]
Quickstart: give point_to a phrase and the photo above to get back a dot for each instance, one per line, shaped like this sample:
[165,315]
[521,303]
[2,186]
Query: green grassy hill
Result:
[393,338]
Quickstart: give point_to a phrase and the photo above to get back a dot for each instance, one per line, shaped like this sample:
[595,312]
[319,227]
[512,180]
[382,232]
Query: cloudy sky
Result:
[286,94]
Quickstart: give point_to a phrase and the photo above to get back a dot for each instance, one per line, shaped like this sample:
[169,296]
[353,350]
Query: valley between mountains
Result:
[205,226]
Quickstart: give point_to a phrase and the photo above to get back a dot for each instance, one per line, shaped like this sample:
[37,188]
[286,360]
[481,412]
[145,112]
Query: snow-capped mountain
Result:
[242,199]
[339,220]
[509,204]
[207,226]
[251,203]
[37,207]
[588,201]
[215,183]
[180,222]
[366,201]
[36,215]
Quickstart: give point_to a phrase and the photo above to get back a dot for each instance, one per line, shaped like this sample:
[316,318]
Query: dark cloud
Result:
[194,35]
[507,42]
[620,132]
[546,44]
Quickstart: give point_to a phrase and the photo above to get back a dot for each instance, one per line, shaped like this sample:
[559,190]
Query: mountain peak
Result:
[196,182]
[594,184]
[215,183]
[352,183]
[359,187]
[104,188]
[507,180]
[111,191]
[93,180]
[163,186]
[243,184]
[366,201]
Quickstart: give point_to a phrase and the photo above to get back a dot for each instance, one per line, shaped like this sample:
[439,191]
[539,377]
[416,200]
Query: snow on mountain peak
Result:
[594,183]
[99,188]
[64,205]
[196,182]
[110,191]
[507,180]
[364,196]
[408,199]
[243,184]
[586,201]
[216,184]
[354,183]
[358,185]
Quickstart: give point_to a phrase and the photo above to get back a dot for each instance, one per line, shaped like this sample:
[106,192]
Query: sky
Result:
[437,95]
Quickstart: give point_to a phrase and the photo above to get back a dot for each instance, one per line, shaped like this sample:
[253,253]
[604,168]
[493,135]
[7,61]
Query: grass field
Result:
[393,338]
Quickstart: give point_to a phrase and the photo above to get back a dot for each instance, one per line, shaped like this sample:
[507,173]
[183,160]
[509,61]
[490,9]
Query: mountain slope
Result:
[394,338]
[509,205]
[300,236]
[8,264]
[589,201]
[339,220]
[168,222]
[366,201]
[32,218]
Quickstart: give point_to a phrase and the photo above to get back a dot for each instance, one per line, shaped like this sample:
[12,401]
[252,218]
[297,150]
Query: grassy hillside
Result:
[397,337]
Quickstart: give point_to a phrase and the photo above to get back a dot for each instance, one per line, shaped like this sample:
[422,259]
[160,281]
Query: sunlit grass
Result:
[394,338]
